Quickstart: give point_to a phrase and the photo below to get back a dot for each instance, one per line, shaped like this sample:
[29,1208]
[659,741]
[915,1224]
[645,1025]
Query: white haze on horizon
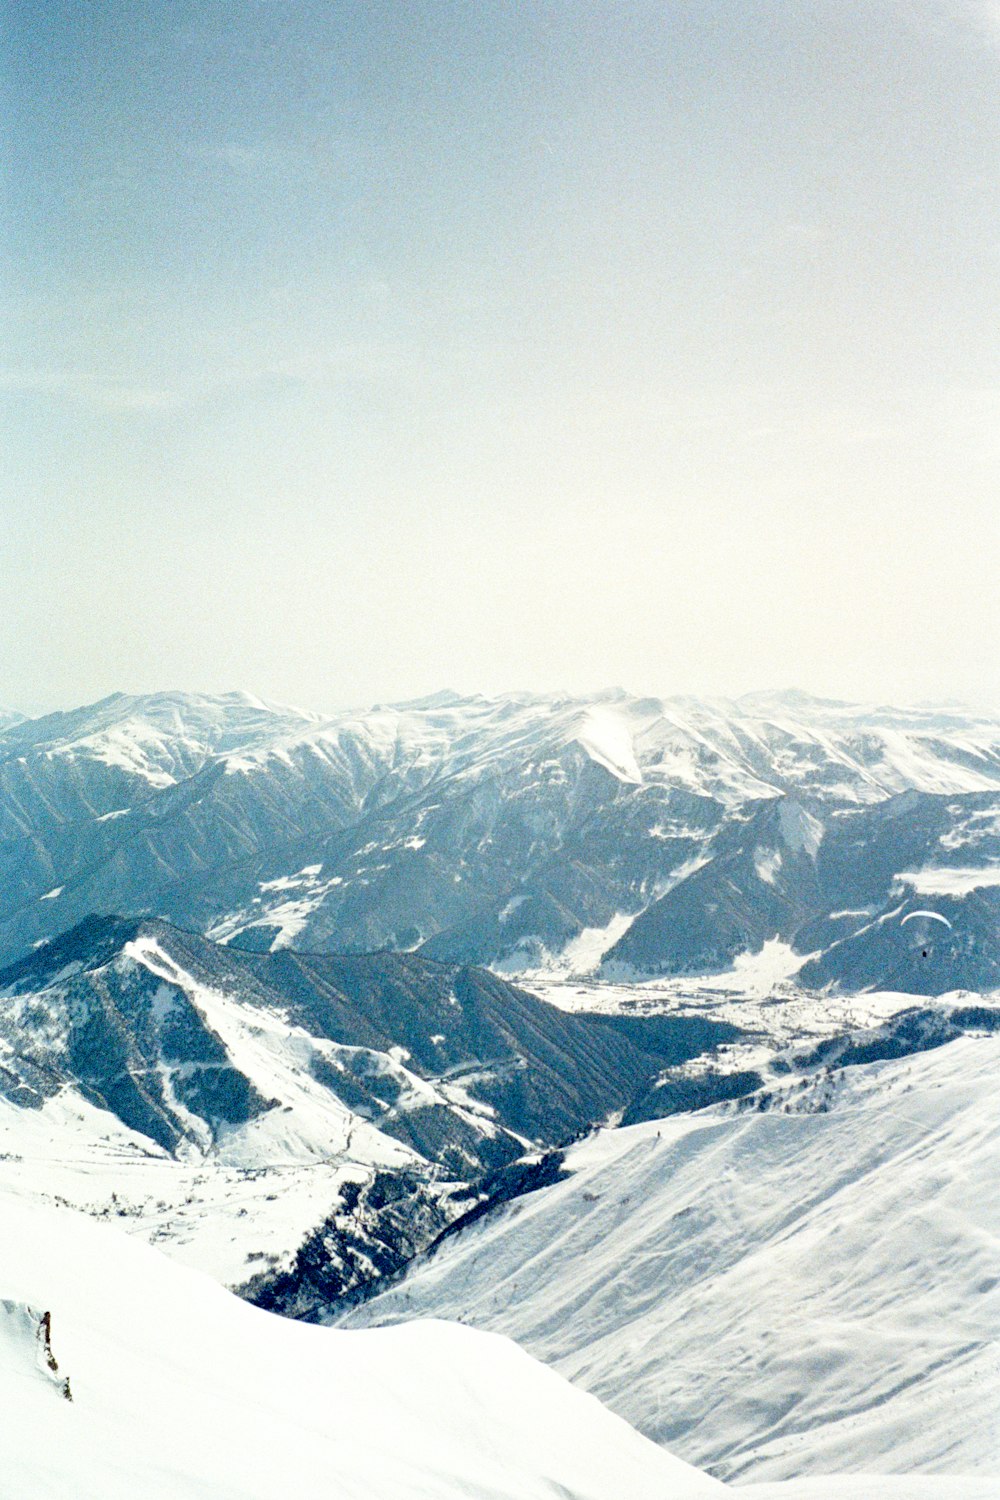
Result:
[354,352]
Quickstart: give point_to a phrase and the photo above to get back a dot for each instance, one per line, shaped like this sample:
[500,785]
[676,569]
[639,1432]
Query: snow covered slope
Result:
[179,1391]
[842,888]
[803,1283]
[517,831]
[875,1487]
[228,1103]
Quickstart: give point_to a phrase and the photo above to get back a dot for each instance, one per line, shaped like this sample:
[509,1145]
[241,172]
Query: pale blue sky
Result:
[355,350]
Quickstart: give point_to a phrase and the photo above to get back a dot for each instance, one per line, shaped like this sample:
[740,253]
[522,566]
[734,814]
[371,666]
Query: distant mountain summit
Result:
[613,833]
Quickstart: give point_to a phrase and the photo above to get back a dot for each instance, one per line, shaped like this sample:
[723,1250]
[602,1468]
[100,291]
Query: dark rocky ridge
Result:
[83,1010]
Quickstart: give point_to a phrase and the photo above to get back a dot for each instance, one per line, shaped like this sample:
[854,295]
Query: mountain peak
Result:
[90,944]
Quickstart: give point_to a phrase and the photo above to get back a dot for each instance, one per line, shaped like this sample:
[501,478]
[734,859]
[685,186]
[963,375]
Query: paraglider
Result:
[935,916]
[923,933]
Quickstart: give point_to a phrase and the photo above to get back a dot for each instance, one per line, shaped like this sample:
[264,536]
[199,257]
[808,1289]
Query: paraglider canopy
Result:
[935,916]
[923,931]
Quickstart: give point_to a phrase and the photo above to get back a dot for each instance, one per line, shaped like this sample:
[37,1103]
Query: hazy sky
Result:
[352,350]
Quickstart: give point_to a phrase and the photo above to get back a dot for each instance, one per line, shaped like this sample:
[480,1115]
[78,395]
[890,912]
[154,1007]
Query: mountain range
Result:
[655,1034]
[385,1084]
[613,835]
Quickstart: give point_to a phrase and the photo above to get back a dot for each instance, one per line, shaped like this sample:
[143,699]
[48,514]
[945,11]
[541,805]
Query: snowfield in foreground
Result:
[809,1290]
[788,1292]
[179,1391]
[874,1487]
[182,1392]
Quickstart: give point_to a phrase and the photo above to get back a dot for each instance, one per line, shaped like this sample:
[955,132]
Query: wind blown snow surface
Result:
[811,1288]
[122,1374]
[182,1392]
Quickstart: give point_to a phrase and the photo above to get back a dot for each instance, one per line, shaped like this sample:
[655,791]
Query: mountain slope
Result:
[179,1389]
[164,1028]
[841,889]
[515,831]
[177,1078]
[804,1283]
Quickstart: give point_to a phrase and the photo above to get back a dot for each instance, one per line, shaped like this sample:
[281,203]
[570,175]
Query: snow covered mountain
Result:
[650,836]
[179,1391]
[246,1108]
[806,1282]
[902,895]
[696,894]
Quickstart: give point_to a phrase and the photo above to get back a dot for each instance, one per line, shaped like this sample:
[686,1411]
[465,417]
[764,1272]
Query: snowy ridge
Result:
[809,1287]
[495,831]
[266,1407]
[279,1060]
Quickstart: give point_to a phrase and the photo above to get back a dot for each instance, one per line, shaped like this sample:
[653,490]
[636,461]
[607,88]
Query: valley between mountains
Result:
[657,1036]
